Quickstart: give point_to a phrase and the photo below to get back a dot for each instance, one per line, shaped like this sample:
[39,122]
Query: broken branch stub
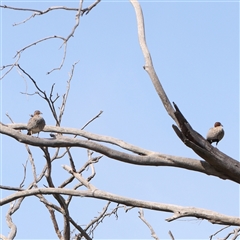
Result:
[218,160]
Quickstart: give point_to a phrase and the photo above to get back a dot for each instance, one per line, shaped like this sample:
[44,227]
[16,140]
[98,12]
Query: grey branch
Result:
[11,225]
[77,19]
[87,10]
[219,161]
[143,156]
[179,211]
[60,210]
[95,222]
[148,61]
[171,235]
[80,178]
[141,216]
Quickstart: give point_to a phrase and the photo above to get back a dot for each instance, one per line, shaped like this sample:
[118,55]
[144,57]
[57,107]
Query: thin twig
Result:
[9,117]
[88,9]
[77,19]
[24,174]
[60,210]
[171,235]
[32,164]
[80,178]
[65,96]
[96,221]
[43,95]
[98,115]
[94,160]
[218,231]
[11,188]
[141,216]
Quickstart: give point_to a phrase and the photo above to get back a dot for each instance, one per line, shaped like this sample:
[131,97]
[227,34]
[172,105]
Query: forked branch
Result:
[219,161]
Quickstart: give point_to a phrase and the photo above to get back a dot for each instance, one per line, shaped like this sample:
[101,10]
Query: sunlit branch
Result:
[179,211]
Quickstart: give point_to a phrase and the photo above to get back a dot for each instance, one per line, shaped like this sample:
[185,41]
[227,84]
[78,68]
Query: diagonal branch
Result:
[80,178]
[218,160]
[44,95]
[148,60]
[141,216]
[52,206]
[88,9]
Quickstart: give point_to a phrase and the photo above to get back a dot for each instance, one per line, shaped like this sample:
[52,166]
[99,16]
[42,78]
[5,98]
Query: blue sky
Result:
[195,52]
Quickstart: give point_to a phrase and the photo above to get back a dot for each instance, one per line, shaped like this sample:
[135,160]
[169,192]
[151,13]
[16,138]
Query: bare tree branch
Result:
[43,95]
[148,60]
[141,216]
[218,160]
[37,11]
[216,163]
[89,162]
[211,216]
[146,157]
[77,19]
[80,178]
[65,96]
[11,188]
[60,210]
[55,223]
[171,235]
[235,232]
[18,54]
[221,162]
[96,220]
[2,237]
[11,225]
[24,175]
[32,164]
[97,116]
[87,10]
[58,197]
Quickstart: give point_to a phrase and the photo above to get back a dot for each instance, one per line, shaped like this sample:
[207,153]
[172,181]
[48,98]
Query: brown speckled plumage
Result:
[36,123]
[216,133]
